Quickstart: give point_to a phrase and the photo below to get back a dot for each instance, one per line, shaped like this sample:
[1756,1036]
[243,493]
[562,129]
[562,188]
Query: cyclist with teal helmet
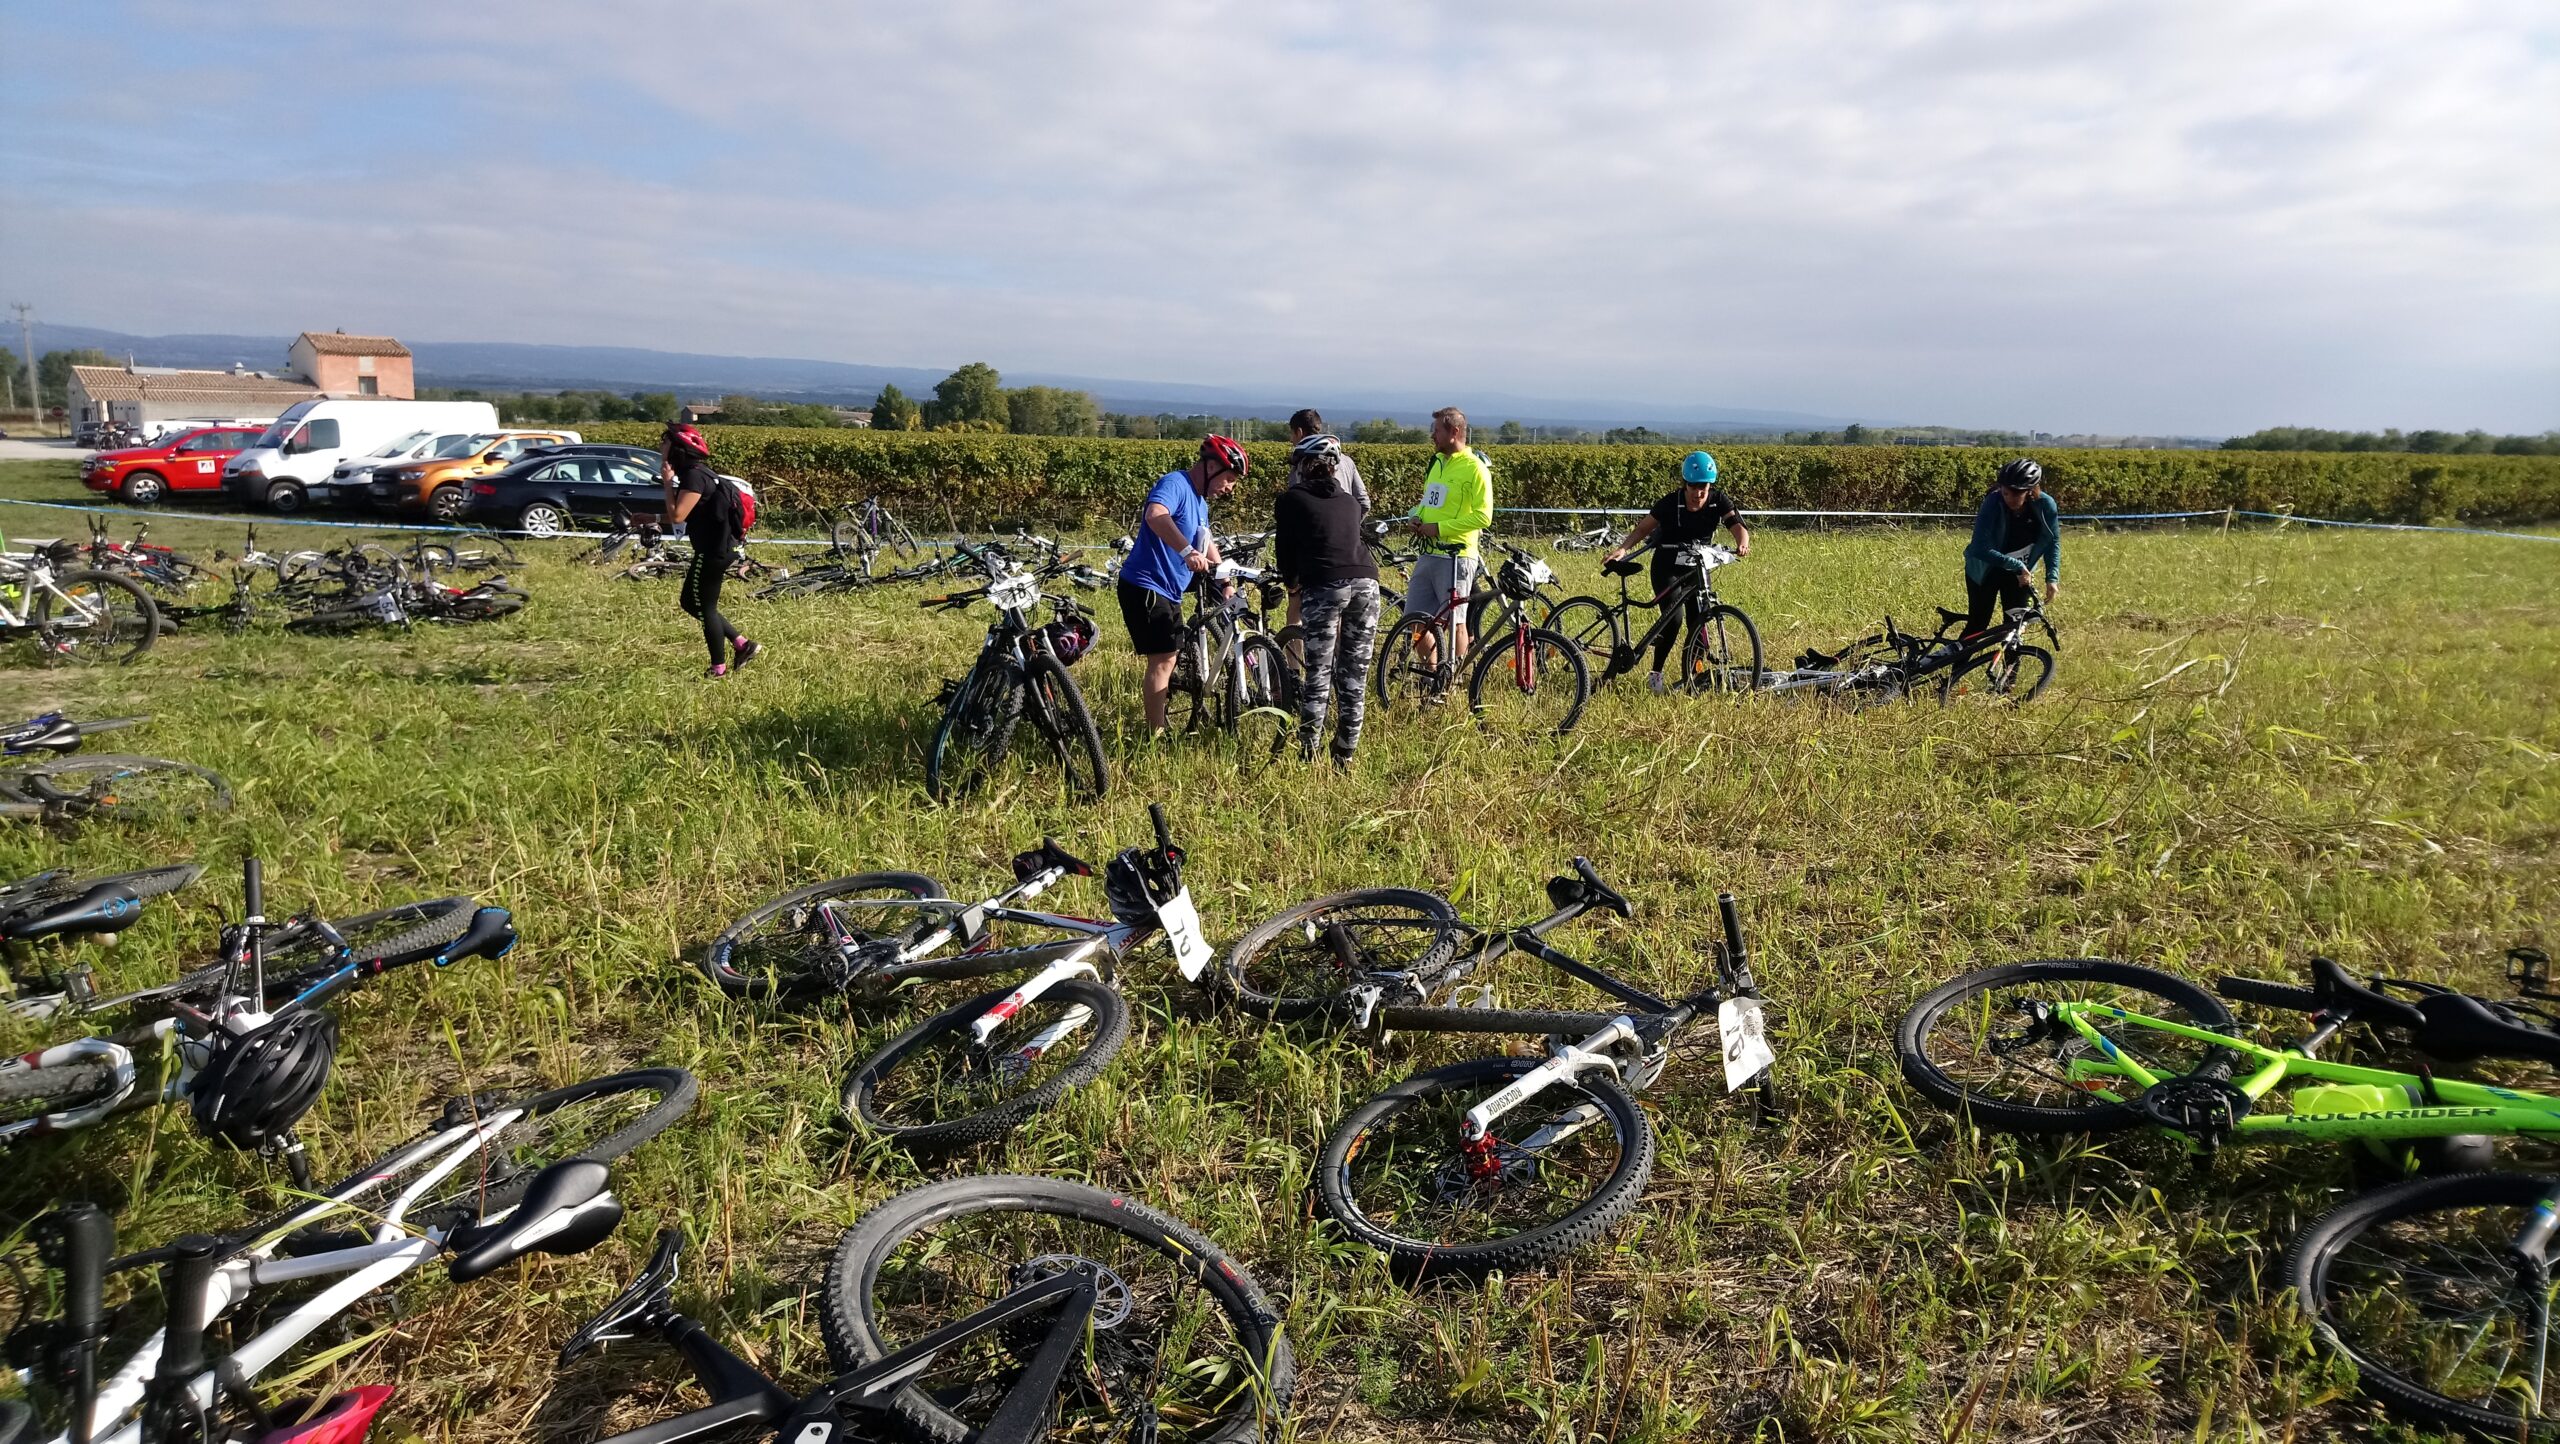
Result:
[1686,516]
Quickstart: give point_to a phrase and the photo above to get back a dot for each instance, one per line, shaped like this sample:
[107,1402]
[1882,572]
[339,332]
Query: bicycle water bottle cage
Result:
[1048,854]
[2205,1111]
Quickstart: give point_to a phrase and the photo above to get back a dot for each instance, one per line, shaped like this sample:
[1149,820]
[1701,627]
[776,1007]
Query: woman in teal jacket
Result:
[2017,526]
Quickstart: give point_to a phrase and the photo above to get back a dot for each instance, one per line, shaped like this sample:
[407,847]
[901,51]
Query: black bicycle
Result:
[77,787]
[1720,653]
[1996,662]
[996,1310]
[1514,1163]
[1020,675]
[59,906]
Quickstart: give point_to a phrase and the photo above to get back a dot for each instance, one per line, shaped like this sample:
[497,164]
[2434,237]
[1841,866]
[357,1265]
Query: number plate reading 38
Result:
[1745,1032]
[1182,929]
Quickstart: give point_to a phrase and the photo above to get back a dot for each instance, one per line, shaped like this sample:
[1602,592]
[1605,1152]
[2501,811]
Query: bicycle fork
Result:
[1073,965]
[1568,1061]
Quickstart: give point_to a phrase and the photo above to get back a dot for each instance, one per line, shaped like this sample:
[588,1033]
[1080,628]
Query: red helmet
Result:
[1224,453]
[682,439]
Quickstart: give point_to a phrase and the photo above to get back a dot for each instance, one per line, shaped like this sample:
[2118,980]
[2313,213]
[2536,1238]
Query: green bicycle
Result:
[2088,1046]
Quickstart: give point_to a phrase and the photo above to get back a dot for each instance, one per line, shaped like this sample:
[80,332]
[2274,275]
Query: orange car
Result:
[440,485]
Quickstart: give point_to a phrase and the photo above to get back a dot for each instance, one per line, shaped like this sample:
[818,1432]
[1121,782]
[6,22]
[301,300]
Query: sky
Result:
[2153,216]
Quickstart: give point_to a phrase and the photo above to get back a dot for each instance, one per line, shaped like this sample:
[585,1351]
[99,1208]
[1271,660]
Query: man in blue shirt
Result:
[1173,545]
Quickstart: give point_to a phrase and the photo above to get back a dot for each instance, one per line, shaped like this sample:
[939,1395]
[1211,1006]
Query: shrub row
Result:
[972,480]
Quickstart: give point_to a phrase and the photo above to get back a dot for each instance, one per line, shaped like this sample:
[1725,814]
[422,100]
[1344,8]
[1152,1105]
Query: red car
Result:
[182,461]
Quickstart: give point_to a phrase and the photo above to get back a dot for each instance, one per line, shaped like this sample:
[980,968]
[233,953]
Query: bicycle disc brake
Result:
[2204,1111]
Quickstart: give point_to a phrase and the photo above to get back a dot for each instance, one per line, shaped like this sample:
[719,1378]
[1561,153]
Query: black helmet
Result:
[255,1085]
[1128,882]
[2021,474]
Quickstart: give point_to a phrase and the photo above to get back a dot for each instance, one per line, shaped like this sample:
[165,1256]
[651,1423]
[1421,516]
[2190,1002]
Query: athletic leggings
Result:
[701,598]
[1665,572]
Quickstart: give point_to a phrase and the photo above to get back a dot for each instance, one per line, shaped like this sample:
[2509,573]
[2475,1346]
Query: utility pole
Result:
[27,334]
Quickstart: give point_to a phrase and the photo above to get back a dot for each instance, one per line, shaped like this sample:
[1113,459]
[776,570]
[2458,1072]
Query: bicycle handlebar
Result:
[1164,834]
[2268,995]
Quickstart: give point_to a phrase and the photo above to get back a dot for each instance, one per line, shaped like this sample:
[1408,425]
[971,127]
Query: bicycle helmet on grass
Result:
[256,1085]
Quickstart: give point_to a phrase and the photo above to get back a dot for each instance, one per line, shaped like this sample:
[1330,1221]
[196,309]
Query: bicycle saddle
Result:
[2455,1027]
[1586,890]
[1622,567]
[644,1305]
[106,908]
[553,1218]
[1028,865]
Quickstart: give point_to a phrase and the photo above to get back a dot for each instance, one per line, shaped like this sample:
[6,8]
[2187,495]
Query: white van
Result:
[309,440]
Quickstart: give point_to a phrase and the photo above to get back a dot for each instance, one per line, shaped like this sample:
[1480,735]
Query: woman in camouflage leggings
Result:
[1342,631]
[1318,550]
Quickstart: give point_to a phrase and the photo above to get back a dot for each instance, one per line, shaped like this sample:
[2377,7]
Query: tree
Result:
[53,371]
[1384,429]
[10,374]
[974,393]
[893,410]
[1853,435]
[658,406]
[1050,411]
[1511,434]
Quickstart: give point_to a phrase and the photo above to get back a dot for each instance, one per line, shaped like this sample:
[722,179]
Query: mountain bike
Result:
[1520,678]
[488,1182]
[977,1070]
[1720,653]
[59,904]
[403,600]
[1384,958]
[1228,668]
[997,1310]
[629,534]
[77,1084]
[477,550]
[2088,1046]
[74,614]
[1597,538]
[1020,675]
[860,534]
[165,572]
[1893,664]
[1514,1163]
[54,733]
[110,786]
[2440,1291]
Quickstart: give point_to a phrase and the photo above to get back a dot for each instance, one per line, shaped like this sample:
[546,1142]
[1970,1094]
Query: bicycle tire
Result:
[1190,707]
[506,1172]
[384,939]
[2090,1116]
[1590,624]
[2033,666]
[1103,1038]
[2318,1265]
[1268,679]
[1398,678]
[124,641]
[62,1084]
[1712,667]
[107,786]
[1058,712]
[1540,1245]
[1486,689]
[862,1273]
[1427,916]
[976,730]
[1524,1022]
[721,962]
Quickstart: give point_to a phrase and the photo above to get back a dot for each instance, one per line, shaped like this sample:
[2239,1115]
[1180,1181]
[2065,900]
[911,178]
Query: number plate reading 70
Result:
[1182,929]
[1745,1032]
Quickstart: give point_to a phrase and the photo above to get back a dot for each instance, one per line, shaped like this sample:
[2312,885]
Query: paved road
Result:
[44,450]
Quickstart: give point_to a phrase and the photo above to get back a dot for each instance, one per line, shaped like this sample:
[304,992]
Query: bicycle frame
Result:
[1695,585]
[967,922]
[2466,1107]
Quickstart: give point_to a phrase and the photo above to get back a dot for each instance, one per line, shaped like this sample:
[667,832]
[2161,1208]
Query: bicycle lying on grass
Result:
[1020,675]
[111,786]
[55,733]
[1720,653]
[996,1310]
[1893,664]
[70,613]
[1515,1163]
[489,1182]
[58,904]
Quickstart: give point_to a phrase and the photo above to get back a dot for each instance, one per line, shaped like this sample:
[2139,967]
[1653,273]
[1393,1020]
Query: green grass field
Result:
[2260,746]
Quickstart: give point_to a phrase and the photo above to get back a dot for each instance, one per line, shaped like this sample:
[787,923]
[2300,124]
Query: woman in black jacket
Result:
[1319,552]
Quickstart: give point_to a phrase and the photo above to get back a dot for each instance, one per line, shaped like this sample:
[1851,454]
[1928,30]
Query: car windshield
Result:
[274,435]
[400,447]
[453,446]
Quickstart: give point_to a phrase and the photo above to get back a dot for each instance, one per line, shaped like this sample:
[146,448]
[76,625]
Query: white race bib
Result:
[1436,494]
[1181,922]
[1745,1033]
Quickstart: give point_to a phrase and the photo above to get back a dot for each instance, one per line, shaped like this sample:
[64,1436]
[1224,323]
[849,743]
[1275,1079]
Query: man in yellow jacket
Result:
[1457,503]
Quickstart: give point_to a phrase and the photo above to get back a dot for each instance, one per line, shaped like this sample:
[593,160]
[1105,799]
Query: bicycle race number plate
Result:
[1436,494]
[1182,929]
[1745,1032]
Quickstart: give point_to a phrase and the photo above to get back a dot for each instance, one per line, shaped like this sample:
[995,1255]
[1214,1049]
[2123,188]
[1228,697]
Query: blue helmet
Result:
[1698,469]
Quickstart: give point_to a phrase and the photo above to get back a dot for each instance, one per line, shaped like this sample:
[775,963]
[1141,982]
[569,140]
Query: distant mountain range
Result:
[515,366]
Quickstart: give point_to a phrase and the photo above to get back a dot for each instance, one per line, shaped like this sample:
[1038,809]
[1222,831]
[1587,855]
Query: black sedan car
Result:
[550,494]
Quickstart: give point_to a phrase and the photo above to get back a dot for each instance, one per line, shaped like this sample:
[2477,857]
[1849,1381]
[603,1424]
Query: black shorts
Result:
[1154,620]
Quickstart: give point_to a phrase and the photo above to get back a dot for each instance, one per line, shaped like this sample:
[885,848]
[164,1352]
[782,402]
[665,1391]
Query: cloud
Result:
[2117,216]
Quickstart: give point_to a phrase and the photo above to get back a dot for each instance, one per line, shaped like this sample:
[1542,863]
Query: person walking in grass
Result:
[1173,545]
[1685,517]
[1333,591]
[700,502]
[1457,504]
[2017,526]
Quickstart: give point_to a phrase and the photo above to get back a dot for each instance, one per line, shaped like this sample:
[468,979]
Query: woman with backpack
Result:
[713,518]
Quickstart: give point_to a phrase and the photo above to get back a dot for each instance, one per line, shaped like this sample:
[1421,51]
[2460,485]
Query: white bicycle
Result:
[74,614]
[488,1183]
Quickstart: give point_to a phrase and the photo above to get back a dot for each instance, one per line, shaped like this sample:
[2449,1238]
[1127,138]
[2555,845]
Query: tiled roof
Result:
[339,343]
[114,383]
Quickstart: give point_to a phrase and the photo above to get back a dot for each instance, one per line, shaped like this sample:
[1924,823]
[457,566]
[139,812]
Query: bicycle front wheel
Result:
[1058,714]
[1305,962]
[1529,681]
[1182,1347]
[1995,1044]
[976,731]
[2419,1283]
[938,1086]
[1413,669]
[1722,652]
[2015,675]
[1552,1175]
[600,1119]
[786,947]
[95,617]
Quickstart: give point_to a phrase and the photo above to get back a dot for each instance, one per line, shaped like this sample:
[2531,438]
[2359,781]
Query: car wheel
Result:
[142,489]
[447,503]
[542,519]
[285,496]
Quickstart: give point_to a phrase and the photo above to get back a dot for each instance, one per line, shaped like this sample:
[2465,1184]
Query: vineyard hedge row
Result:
[975,480]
